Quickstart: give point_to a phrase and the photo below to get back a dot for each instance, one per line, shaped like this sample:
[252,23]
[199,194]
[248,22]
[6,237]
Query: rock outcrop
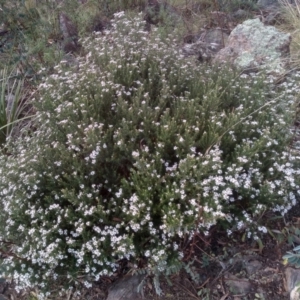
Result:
[252,46]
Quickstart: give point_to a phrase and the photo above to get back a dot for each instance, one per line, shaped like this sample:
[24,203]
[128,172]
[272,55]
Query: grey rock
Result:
[252,266]
[294,294]
[292,277]
[252,46]
[238,285]
[240,14]
[126,288]
[215,36]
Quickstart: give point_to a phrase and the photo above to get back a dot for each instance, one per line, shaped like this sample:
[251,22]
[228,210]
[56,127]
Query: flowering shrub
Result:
[134,149]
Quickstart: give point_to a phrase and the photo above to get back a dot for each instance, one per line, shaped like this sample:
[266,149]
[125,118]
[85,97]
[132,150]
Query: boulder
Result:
[252,46]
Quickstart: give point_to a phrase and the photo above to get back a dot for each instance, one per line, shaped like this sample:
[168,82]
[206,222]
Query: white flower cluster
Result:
[127,159]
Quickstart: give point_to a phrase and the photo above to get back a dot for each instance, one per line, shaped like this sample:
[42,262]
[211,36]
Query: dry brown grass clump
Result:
[291,16]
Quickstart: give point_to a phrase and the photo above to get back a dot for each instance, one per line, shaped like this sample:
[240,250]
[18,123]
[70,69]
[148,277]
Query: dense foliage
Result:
[135,147]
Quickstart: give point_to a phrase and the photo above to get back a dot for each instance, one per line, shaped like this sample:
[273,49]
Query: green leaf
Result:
[287,256]
[244,237]
[293,260]
[260,244]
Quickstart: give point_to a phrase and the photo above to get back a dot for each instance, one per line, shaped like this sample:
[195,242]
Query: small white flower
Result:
[135,154]
[119,193]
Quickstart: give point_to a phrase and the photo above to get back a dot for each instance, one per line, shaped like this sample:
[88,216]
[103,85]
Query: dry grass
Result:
[291,16]
[194,14]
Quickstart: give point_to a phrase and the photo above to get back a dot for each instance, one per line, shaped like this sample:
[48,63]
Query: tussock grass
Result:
[291,16]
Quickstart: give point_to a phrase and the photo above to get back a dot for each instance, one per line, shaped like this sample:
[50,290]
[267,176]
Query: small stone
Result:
[238,285]
[126,288]
[252,266]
